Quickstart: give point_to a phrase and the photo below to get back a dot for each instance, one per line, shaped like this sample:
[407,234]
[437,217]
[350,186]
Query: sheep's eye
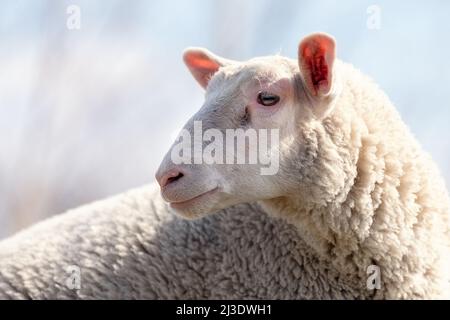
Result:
[267,99]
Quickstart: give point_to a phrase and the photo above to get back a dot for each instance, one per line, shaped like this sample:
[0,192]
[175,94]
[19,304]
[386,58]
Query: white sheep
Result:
[132,247]
[356,208]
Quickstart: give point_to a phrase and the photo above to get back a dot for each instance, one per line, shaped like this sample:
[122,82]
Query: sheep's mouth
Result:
[180,205]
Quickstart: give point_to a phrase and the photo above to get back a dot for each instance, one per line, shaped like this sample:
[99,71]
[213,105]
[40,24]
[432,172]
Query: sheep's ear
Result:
[316,55]
[203,64]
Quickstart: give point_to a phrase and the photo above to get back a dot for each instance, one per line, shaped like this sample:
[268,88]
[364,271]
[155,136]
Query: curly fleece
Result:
[132,247]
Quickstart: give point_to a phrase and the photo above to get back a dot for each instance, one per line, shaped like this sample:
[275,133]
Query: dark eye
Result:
[267,99]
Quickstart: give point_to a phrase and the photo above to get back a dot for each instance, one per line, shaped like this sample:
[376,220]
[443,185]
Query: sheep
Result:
[354,210]
[351,178]
[132,246]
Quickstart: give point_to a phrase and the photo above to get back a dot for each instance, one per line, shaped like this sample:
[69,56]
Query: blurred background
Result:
[89,106]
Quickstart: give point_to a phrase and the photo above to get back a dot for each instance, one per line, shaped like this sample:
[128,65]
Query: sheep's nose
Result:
[168,177]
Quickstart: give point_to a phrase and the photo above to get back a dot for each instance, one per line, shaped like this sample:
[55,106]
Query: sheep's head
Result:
[269,102]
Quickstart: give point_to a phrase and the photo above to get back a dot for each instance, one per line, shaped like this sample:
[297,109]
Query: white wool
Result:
[355,190]
[382,202]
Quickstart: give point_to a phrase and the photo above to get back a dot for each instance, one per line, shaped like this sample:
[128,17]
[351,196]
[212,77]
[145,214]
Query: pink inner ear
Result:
[316,57]
[200,61]
[317,65]
[201,66]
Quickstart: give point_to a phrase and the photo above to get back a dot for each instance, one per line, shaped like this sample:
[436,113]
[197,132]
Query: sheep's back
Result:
[131,246]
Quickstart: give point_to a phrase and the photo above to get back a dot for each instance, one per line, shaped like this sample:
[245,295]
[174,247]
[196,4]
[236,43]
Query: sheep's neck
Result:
[367,224]
[314,228]
[343,251]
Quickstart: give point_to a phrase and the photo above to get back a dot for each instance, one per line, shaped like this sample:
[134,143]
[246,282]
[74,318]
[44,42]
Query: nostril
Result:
[173,179]
[169,177]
